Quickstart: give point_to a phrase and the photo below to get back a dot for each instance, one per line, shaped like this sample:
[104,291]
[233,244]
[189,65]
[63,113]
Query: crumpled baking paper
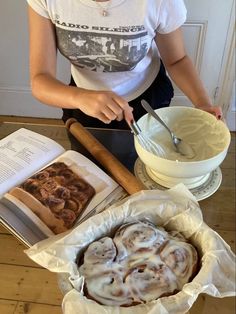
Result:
[174,209]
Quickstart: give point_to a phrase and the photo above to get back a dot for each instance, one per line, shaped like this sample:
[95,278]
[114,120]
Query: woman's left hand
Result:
[215,110]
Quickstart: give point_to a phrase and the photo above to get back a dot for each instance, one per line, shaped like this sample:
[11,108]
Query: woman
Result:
[118,50]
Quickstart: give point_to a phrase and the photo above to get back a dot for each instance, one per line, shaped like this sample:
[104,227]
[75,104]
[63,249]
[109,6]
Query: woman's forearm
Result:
[53,92]
[103,105]
[185,76]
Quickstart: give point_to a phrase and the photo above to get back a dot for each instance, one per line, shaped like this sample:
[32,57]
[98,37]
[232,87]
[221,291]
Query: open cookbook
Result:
[45,190]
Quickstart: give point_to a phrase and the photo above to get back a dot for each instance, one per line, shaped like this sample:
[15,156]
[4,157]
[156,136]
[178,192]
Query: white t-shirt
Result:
[115,52]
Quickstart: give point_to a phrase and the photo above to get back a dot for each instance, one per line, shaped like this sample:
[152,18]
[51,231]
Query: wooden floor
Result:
[26,287]
[18,274]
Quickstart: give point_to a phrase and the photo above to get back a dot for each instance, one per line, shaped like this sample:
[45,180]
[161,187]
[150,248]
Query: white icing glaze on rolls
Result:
[140,264]
[108,288]
[149,282]
[101,251]
[181,258]
[138,237]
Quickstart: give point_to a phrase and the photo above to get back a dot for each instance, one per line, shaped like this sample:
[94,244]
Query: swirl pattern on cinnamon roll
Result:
[108,288]
[141,263]
[150,281]
[138,238]
[181,258]
[100,252]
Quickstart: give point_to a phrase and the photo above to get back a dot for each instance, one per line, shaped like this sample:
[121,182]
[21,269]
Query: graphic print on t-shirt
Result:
[103,52]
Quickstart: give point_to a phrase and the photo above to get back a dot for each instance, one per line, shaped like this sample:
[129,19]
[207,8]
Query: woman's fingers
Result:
[102,117]
[128,115]
[116,108]
[215,110]
[105,106]
[126,109]
[109,113]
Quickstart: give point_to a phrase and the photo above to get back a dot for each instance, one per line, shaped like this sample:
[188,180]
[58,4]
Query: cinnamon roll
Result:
[43,194]
[150,281]
[72,205]
[67,174]
[42,175]
[31,185]
[62,192]
[68,216]
[54,203]
[181,258]
[141,263]
[79,185]
[60,180]
[102,251]
[138,237]
[108,288]
[51,171]
[50,185]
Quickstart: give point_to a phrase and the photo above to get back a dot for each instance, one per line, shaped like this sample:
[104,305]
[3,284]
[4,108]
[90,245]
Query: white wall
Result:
[15,93]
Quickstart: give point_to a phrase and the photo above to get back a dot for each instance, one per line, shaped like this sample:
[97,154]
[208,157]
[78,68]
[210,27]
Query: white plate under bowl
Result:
[201,192]
[169,182]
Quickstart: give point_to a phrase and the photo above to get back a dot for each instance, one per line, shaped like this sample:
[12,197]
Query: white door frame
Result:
[227,73]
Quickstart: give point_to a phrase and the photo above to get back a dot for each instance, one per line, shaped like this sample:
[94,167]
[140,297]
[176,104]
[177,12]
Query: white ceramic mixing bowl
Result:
[209,137]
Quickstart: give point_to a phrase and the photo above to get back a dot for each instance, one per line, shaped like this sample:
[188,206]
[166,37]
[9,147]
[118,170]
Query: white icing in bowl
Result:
[205,138]
[209,137]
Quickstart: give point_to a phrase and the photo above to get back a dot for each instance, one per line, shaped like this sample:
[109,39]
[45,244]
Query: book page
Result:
[21,154]
[68,190]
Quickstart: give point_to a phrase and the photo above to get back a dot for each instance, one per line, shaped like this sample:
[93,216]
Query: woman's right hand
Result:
[103,105]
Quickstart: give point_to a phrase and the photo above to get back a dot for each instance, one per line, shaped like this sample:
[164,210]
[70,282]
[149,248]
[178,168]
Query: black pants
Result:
[158,95]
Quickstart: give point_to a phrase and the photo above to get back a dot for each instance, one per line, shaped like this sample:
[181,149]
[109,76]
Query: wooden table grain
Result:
[25,287]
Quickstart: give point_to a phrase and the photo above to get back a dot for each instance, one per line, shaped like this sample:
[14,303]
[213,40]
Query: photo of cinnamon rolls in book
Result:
[139,264]
[56,194]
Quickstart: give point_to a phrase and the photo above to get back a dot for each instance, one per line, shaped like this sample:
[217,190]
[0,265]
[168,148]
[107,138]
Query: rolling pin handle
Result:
[69,122]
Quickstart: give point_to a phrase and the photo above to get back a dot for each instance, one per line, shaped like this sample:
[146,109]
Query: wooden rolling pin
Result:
[120,173]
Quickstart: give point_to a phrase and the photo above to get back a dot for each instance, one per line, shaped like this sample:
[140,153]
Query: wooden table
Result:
[26,287]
